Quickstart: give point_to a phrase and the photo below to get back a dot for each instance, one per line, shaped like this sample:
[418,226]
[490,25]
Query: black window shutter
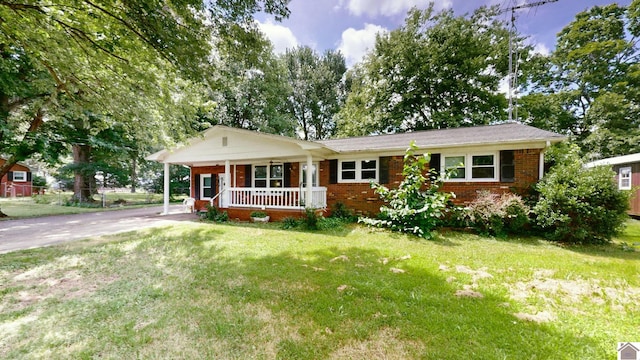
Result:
[214,183]
[333,171]
[196,184]
[507,166]
[384,169]
[434,163]
[28,175]
[247,175]
[287,174]
[10,176]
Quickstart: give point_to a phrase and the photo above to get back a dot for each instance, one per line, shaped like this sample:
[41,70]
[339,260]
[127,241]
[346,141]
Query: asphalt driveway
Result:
[43,231]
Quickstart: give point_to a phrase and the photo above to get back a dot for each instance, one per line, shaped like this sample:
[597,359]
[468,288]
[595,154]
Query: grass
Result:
[254,291]
[51,204]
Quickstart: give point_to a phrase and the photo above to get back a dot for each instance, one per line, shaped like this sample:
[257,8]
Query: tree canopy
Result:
[131,61]
[589,86]
[437,70]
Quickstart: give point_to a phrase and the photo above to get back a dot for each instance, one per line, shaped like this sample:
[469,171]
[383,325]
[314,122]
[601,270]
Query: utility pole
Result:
[513,76]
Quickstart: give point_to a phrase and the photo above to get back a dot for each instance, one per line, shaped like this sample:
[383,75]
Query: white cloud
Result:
[541,49]
[390,7]
[281,36]
[356,43]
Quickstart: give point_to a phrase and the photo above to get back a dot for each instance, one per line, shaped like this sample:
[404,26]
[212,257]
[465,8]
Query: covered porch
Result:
[241,171]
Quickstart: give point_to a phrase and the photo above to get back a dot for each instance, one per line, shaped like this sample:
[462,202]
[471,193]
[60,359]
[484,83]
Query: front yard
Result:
[250,291]
[54,203]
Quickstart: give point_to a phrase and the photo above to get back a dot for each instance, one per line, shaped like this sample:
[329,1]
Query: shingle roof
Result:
[490,134]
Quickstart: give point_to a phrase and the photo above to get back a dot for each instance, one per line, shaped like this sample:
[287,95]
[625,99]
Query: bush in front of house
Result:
[417,204]
[340,211]
[578,204]
[214,214]
[494,214]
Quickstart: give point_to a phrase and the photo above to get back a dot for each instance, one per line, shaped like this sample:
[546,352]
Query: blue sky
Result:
[351,25]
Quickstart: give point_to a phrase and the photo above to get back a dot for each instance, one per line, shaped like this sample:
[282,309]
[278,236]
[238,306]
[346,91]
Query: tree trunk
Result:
[82,191]
[134,174]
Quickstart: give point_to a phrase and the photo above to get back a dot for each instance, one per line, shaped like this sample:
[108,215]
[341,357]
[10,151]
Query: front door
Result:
[223,196]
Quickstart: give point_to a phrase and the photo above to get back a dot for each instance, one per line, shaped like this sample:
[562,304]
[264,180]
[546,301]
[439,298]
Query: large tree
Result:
[591,82]
[125,60]
[317,90]
[437,70]
[249,84]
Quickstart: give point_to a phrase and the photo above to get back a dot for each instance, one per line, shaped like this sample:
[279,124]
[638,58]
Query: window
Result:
[275,176]
[314,174]
[19,176]
[206,186]
[507,166]
[483,167]
[268,176]
[624,178]
[471,167]
[358,170]
[456,164]
[260,176]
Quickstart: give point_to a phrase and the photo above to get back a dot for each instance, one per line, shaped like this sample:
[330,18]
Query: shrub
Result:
[494,214]
[578,204]
[311,219]
[258,214]
[417,205]
[340,211]
[290,223]
[214,214]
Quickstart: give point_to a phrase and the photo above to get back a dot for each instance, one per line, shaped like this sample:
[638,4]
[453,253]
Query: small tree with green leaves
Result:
[417,204]
[579,204]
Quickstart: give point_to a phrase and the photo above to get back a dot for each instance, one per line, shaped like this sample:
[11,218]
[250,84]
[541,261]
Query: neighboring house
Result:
[627,169]
[17,182]
[240,170]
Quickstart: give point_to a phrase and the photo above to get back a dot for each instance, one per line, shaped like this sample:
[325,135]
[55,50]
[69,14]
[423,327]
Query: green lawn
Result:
[206,291]
[50,204]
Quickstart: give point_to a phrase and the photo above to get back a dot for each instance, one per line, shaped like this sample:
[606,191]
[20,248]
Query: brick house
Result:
[240,170]
[17,182]
[627,169]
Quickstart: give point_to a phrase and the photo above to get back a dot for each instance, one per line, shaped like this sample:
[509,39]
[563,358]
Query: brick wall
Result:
[362,198]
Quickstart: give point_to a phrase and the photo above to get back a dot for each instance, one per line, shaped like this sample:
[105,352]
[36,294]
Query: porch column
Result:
[309,180]
[167,178]
[227,181]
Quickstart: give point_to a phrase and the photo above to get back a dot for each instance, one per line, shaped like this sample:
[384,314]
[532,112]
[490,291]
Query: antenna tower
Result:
[513,76]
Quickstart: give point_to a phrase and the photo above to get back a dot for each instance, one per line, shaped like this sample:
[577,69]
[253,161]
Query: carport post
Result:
[167,178]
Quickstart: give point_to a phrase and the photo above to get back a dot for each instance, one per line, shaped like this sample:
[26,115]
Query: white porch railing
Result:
[284,198]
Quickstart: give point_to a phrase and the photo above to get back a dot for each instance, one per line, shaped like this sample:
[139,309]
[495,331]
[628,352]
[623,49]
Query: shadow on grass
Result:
[348,303]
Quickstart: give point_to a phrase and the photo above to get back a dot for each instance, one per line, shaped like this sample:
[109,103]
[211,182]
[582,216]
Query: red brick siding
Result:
[362,198]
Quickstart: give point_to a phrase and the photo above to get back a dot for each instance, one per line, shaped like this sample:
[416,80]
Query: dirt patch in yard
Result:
[385,344]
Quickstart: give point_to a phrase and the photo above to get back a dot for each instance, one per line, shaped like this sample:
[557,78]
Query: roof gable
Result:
[222,143]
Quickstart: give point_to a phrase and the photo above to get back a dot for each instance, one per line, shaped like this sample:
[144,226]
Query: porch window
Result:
[275,176]
[624,178]
[19,176]
[314,174]
[358,170]
[268,176]
[471,167]
[206,186]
